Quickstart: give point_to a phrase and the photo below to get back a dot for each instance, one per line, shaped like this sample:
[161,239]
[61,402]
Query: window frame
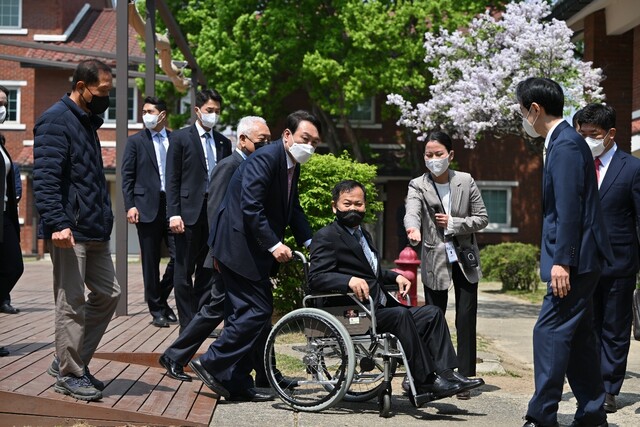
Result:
[15,29]
[14,85]
[507,186]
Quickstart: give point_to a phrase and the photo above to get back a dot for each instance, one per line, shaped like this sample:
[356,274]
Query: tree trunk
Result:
[351,139]
[329,134]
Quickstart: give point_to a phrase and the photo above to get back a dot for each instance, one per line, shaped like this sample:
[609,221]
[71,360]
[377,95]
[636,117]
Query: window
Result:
[132,106]
[13,104]
[364,112]
[10,14]
[497,199]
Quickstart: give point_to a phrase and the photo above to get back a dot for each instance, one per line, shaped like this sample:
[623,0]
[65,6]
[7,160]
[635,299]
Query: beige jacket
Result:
[468,214]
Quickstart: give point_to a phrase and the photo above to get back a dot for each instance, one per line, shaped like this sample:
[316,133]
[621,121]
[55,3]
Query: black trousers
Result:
[424,336]
[152,235]
[11,266]
[466,317]
[191,280]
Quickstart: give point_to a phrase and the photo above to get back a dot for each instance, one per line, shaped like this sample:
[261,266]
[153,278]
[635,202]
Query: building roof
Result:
[565,9]
[96,32]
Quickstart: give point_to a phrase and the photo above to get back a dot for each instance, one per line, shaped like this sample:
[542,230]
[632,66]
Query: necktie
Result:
[373,262]
[597,163]
[162,161]
[290,172]
[211,162]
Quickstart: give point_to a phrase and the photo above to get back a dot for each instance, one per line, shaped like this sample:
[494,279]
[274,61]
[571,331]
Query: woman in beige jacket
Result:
[444,209]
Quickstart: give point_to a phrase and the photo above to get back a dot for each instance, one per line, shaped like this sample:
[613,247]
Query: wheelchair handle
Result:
[299,256]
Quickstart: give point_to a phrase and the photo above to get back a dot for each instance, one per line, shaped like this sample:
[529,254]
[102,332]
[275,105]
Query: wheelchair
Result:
[323,353]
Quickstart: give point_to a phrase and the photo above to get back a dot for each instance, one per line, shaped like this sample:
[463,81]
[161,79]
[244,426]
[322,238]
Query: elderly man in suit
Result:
[261,201]
[574,249]
[144,190]
[253,133]
[193,153]
[343,259]
[618,175]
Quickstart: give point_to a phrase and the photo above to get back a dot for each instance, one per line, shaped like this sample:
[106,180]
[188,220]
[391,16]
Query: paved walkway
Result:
[505,325]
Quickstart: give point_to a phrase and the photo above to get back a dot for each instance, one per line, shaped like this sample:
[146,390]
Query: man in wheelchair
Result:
[344,260]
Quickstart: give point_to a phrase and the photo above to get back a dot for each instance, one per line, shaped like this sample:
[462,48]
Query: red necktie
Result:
[290,172]
[597,163]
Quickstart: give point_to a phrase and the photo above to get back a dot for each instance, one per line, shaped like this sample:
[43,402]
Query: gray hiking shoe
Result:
[54,371]
[77,387]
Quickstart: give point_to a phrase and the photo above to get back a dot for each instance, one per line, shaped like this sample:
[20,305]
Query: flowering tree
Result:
[475,72]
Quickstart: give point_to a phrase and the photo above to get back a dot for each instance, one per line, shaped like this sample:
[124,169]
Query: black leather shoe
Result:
[281,380]
[208,379]
[8,309]
[440,388]
[170,315]
[3,352]
[533,423]
[250,395]
[174,370]
[610,405]
[577,423]
[468,383]
[160,322]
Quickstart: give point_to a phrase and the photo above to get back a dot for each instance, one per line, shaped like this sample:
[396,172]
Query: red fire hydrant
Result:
[408,263]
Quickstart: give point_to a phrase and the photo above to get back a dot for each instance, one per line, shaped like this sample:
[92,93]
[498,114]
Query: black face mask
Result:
[260,144]
[351,218]
[98,104]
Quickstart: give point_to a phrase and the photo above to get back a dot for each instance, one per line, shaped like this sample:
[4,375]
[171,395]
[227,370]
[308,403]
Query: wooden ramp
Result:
[137,391]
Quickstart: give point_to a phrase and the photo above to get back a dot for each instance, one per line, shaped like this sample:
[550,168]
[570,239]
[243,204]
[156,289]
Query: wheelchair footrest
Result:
[421,399]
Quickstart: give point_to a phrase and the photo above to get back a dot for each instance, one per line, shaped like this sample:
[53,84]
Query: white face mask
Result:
[209,120]
[3,113]
[151,120]
[528,127]
[596,145]
[301,152]
[437,166]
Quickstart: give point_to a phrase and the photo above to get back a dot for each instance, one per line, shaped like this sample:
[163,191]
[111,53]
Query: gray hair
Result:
[247,124]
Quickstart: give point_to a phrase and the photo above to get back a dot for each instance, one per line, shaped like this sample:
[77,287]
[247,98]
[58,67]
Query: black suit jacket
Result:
[141,184]
[219,182]
[336,257]
[187,172]
[620,203]
[255,213]
[10,192]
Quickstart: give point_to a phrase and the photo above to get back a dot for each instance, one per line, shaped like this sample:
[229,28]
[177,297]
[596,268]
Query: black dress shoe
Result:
[8,309]
[4,352]
[577,423]
[208,379]
[440,388]
[468,383]
[533,423]
[170,315]
[174,370]
[160,322]
[610,405]
[250,395]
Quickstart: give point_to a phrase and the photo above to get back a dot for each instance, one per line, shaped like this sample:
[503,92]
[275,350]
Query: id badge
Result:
[451,252]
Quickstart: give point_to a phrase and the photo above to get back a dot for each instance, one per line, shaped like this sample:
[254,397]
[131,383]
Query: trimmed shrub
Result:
[317,178]
[514,264]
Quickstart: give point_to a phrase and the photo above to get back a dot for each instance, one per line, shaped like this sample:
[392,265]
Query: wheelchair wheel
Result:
[309,359]
[368,377]
[384,403]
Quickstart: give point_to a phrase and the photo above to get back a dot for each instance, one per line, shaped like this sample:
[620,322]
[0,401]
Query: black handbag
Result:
[636,314]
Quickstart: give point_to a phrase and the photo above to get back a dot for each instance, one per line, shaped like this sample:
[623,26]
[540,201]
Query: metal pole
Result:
[150,49]
[122,83]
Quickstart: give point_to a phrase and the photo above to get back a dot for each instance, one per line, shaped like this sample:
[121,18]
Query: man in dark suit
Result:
[253,133]
[343,259]
[574,249]
[192,155]
[618,175]
[144,190]
[261,201]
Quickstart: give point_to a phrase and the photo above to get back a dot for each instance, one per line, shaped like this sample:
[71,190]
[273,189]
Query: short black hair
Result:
[346,186]
[5,90]
[545,92]
[88,71]
[601,115]
[206,95]
[294,119]
[442,138]
[157,102]
[576,119]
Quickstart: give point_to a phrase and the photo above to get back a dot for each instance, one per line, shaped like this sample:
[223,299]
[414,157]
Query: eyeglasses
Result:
[261,141]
